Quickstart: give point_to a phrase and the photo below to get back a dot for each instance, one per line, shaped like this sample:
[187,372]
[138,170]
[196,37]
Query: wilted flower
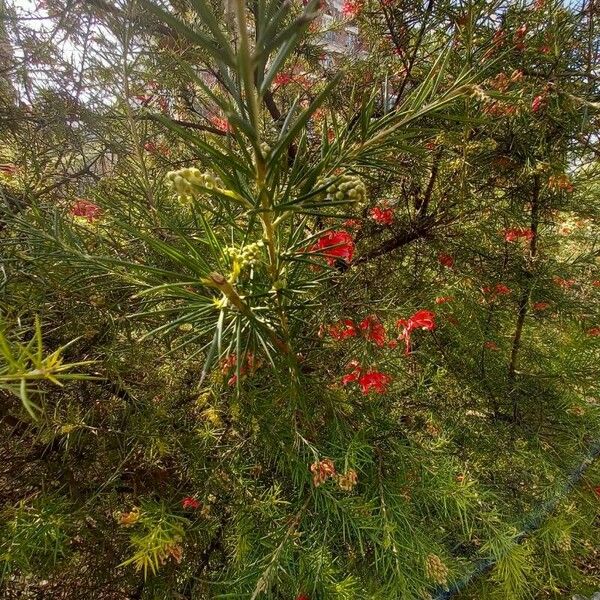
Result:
[538,103]
[128,519]
[560,182]
[9,170]
[322,470]
[541,305]
[86,209]
[563,283]
[348,480]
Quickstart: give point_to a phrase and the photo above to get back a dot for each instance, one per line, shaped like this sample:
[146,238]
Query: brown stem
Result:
[418,230]
[526,293]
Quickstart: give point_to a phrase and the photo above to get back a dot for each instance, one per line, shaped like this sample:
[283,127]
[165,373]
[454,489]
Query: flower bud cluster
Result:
[184,180]
[248,255]
[347,188]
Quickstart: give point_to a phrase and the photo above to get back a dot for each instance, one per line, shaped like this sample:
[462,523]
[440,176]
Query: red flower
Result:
[353,223]
[516,233]
[335,245]
[283,78]
[446,260]
[443,299]
[86,209]
[351,8]
[597,491]
[489,345]
[302,597]
[350,377]
[373,330]
[422,319]
[500,289]
[540,305]
[596,283]
[393,344]
[220,124]
[189,502]
[369,380]
[374,380]
[383,216]
[537,104]
[343,330]
[594,331]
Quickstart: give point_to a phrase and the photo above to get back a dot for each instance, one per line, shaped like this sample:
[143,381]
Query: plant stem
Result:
[525,295]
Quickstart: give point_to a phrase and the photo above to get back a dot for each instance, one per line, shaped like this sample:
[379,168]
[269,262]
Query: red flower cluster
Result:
[446,260]
[594,331]
[86,209]
[335,245]
[189,502]
[371,327]
[367,380]
[518,233]
[422,319]
[383,216]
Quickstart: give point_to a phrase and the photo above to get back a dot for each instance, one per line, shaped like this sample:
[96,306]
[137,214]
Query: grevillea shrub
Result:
[284,321]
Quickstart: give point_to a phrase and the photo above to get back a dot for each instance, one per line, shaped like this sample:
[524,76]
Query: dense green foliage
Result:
[281,322]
